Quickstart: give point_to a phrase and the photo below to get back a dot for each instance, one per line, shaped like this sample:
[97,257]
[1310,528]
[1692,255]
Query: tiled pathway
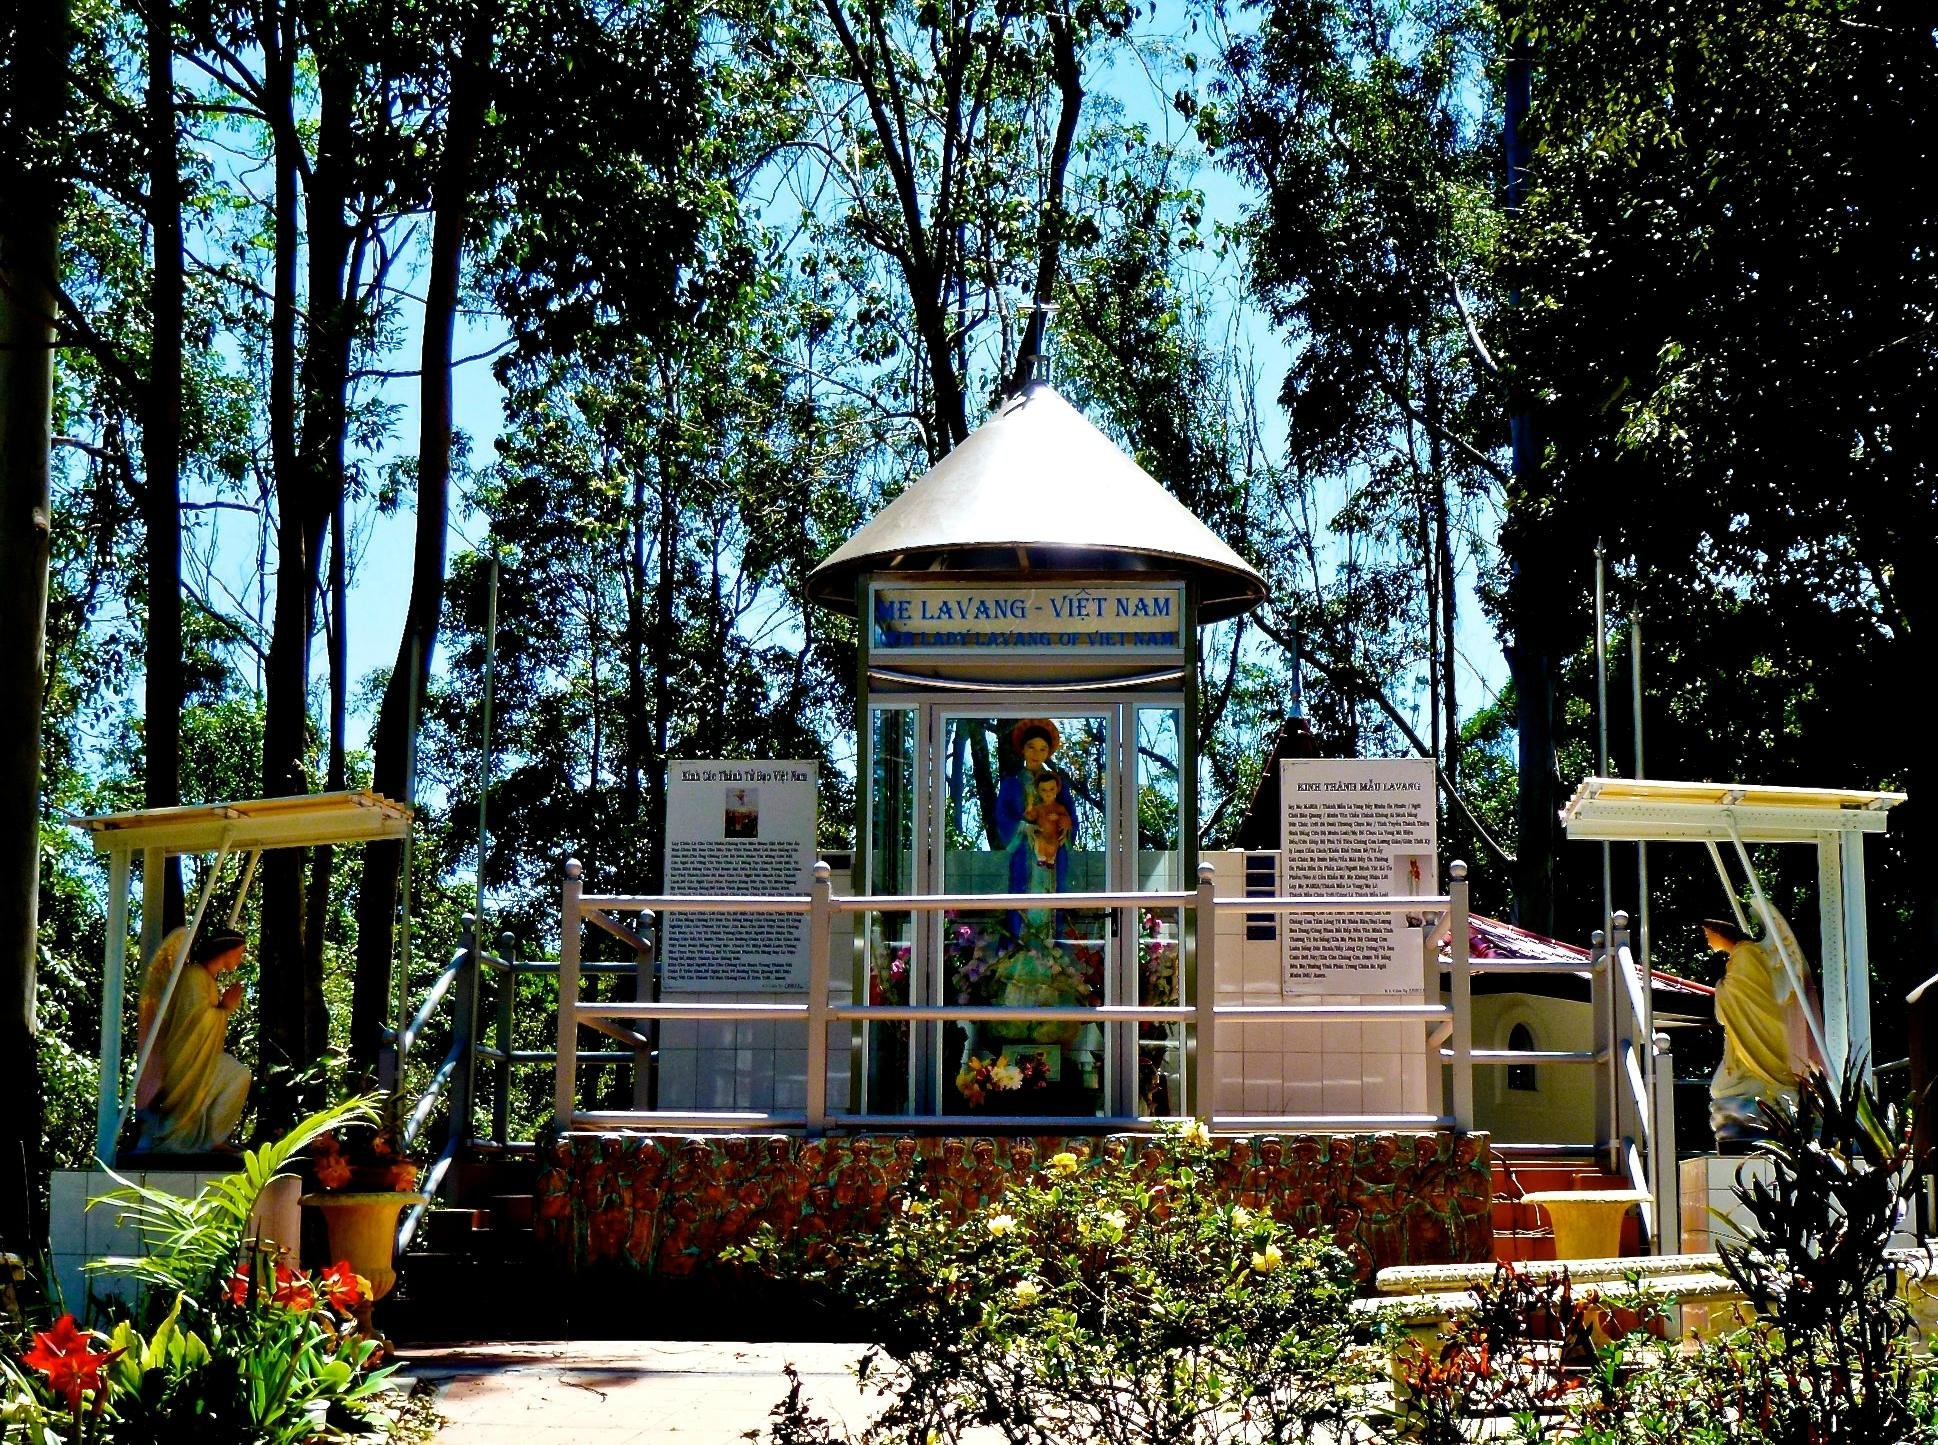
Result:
[629,1392]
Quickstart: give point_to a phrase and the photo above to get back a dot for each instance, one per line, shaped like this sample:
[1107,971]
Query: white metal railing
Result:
[1447,1023]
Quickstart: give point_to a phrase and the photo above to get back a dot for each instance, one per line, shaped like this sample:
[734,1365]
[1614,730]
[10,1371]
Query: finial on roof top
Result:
[1033,356]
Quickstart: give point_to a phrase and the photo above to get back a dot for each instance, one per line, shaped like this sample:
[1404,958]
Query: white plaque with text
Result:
[738,828]
[1356,828]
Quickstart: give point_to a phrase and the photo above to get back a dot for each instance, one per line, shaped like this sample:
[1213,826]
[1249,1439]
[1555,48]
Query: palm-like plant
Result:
[1817,1265]
[190,1245]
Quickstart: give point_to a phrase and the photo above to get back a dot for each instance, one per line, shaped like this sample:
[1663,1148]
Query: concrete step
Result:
[512,1210]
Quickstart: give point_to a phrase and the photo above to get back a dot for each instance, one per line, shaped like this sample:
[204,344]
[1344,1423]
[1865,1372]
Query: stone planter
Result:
[363,1230]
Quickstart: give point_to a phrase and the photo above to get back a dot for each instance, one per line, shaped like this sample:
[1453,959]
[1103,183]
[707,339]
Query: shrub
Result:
[1092,1303]
[1827,1358]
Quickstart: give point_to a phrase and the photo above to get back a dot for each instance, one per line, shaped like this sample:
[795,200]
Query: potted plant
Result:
[365,1179]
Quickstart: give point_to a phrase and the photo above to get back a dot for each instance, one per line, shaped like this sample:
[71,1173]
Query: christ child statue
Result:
[1049,818]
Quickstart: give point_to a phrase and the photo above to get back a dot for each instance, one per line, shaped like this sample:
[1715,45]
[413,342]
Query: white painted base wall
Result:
[78,1233]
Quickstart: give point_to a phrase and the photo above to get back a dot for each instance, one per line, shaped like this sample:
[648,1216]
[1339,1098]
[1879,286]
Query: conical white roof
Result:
[1038,487]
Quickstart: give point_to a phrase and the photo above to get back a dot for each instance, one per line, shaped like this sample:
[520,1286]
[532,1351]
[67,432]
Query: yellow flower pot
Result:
[363,1230]
[1587,1222]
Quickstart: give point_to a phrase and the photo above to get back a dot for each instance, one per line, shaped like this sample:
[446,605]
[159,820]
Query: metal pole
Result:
[107,1122]
[1643,954]
[484,741]
[464,1030]
[820,925]
[501,1034]
[1601,724]
[1664,1181]
[565,1084]
[1204,1057]
[400,1002]
[1462,980]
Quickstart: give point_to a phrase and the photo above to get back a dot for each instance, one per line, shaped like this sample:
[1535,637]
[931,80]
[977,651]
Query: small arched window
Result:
[1520,1039]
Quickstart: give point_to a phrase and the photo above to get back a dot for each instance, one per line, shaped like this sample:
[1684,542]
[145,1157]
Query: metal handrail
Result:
[440,986]
[1450,1022]
[1530,965]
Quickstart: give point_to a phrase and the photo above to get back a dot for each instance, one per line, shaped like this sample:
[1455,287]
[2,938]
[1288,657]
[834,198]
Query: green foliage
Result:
[1093,1303]
[190,1246]
[1830,1354]
[1368,134]
[238,1346]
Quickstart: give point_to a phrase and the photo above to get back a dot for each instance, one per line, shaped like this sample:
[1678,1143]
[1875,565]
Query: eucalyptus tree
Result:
[938,154]
[1368,135]
[323,97]
[584,180]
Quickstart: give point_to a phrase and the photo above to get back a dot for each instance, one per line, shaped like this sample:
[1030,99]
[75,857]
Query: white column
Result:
[1833,968]
[114,966]
[1857,950]
[153,860]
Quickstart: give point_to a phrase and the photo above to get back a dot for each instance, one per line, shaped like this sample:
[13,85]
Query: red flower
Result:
[238,1290]
[332,1171]
[293,1291]
[67,1357]
[343,1287]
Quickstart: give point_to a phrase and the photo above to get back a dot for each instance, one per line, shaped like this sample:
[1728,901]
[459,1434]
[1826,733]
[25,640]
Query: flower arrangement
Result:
[981,1076]
[1094,1303]
[229,1340]
[363,1159]
[972,951]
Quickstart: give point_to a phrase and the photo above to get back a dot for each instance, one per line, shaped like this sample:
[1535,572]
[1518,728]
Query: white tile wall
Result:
[77,1233]
[755,1065]
[1291,1068]
[1711,1212]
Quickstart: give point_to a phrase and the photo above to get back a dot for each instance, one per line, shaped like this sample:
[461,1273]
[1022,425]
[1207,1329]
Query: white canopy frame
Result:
[1834,820]
[255,826]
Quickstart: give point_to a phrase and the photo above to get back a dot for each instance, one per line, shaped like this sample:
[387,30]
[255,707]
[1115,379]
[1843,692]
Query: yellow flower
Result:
[1027,1292]
[1006,1075]
[1064,1164]
[1267,1259]
[1002,1224]
[1112,1223]
[917,1207]
[1196,1133]
[1241,1217]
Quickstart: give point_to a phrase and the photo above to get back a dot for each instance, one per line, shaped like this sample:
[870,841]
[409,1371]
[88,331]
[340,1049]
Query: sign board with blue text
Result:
[999,621]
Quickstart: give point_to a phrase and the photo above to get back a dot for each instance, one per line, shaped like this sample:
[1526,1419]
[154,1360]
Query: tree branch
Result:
[1351,675]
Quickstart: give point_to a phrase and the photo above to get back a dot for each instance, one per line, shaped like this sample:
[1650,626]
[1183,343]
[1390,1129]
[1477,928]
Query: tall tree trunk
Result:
[316,1014]
[395,744]
[306,496]
[1532,594]
[1442,570]
[633,763]
[665,639]
[286,668]
[161,448]
[35,71]
[1064,65]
